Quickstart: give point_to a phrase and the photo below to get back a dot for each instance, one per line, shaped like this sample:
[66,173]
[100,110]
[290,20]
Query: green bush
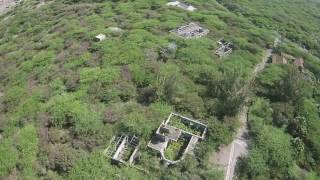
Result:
[61,157]
[9,157]
[105,75]
[27,146]
[66,111]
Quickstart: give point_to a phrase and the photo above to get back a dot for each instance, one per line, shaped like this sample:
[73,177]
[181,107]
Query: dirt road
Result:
[228,155]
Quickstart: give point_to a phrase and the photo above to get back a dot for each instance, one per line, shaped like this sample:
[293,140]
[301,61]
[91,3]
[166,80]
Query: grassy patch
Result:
[179,123]
[176,149]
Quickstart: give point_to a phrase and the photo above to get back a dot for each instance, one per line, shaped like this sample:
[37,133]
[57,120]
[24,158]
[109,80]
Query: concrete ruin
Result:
[177,128]
[284,58]
[100,37]
[7,5]
[190,31]
[123,149]
[182,5]
[224,49]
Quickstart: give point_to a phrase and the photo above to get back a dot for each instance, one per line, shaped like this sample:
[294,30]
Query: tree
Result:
[147,95]
[227,90]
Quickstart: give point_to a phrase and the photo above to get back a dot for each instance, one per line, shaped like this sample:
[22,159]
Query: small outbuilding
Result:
[100,37]
[284,58]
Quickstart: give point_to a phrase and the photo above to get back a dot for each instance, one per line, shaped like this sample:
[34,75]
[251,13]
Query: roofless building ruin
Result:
[192,30]
[123,149]
[176,137]
[224,49]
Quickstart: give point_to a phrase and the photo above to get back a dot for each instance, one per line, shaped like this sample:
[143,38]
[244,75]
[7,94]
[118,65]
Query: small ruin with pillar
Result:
[224,49]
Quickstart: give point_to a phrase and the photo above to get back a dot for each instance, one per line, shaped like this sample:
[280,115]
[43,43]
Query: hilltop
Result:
[64,93]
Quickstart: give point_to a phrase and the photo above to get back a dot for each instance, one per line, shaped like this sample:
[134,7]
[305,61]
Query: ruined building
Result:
[284,58]
[192,30]
[224,49]
[176,137]
[123,149]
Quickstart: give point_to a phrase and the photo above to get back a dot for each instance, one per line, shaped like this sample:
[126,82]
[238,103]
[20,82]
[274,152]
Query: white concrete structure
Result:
[181,5]
[101,37]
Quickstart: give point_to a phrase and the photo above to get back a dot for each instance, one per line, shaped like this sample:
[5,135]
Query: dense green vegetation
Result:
[65,95]
[284,116]
[176,121]
[296,20]
[284,122]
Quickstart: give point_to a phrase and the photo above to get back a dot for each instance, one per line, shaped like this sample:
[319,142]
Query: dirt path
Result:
[228,155]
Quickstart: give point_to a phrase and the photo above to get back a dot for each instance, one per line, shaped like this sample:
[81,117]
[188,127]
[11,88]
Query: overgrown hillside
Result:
[284,119]
[63,95]
[297,20]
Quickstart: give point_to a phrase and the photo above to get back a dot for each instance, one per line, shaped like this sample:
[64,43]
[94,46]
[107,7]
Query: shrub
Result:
[67,111]
[72,83]
[13,96]
[137,123]
[94,166]
[61,157]
[147,95]
[105,75]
